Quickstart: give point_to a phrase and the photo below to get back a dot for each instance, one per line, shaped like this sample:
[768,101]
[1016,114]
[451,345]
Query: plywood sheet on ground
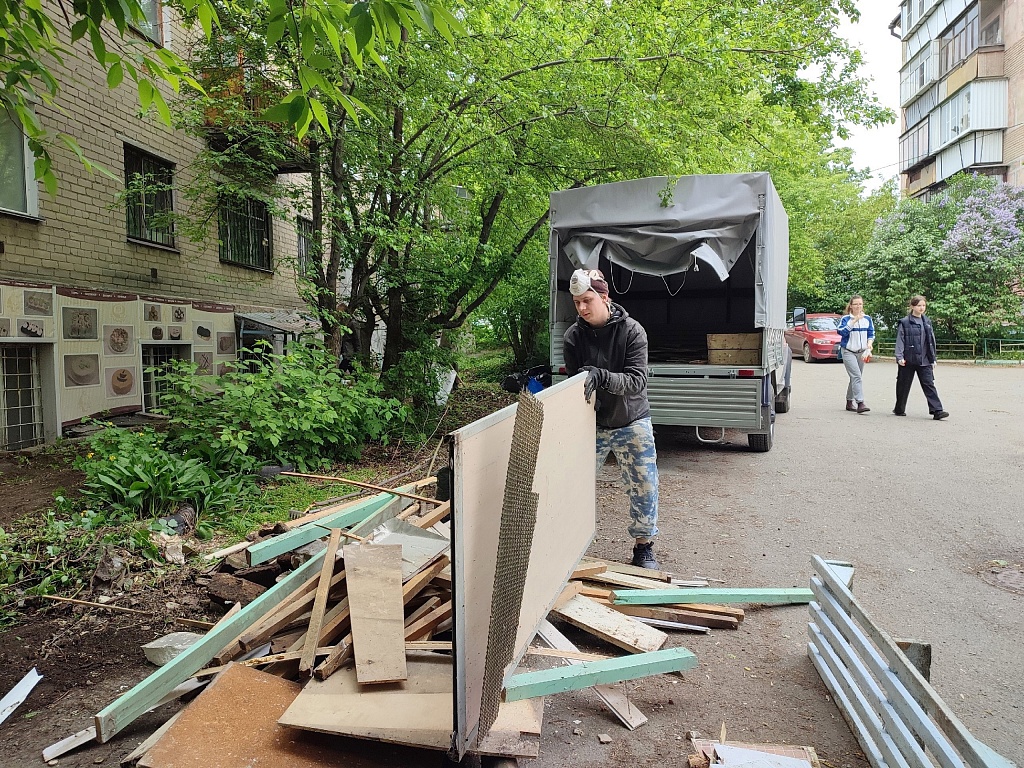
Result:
[565,527]
[377,612]
[233,724]
[707,747]
[416,711]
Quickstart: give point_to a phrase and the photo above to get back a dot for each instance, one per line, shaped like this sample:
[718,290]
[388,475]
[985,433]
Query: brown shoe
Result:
[851,406]
[861,408]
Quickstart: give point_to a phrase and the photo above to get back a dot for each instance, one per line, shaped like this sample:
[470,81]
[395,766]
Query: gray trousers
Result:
[854,362]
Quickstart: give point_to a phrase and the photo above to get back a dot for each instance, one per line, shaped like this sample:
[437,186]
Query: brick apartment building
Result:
[93,292]
[961,91]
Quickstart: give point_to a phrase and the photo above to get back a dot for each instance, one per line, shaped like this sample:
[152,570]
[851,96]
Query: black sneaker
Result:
[643,556]
[940,415]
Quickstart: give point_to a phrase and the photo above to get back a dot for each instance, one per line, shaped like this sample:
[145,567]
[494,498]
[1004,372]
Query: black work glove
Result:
[596,377]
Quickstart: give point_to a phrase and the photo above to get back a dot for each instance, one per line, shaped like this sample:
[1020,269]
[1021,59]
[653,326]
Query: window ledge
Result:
[148,244]
[20,215]
[264,270]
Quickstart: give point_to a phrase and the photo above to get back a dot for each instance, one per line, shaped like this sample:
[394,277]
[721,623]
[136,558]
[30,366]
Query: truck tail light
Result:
[748,372]
[561,370]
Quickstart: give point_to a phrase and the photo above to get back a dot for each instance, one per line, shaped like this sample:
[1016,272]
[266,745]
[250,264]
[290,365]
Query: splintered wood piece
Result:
[635,570]
[669,613]
[316,620]
[434,516]
[570,591]
[585,570]
[597,593]
[422,629]
[342,652]
[377,611]
[611,626]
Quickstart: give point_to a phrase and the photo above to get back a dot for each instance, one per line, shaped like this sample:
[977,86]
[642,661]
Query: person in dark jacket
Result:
[915,353]
[612,348]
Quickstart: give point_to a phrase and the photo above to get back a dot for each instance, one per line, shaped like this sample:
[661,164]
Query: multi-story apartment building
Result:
[961,91]
[95,286]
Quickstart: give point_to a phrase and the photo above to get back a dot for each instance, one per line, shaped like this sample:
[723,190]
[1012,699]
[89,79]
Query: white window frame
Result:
[31,186]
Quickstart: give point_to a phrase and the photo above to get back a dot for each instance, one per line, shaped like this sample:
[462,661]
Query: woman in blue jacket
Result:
[915,353]
[857,335]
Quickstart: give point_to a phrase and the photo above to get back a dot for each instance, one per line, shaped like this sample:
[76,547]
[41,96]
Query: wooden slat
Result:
[666,613]
[377,611]
[627,580]
[123,711]
[434,516]
[316,619]
[558,654]
[368,486]
[717,610]
[421,629]
[422,611]
[583,570]
[528,685]
[320,514]
[286,613]
[616,701]
[635,570]
[570,591]
[766,595]
[611,626]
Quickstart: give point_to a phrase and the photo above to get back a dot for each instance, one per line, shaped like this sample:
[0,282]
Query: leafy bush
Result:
[293,408]
[133,471]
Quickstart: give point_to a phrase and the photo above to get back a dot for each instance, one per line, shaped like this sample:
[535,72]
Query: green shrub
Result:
[293,408]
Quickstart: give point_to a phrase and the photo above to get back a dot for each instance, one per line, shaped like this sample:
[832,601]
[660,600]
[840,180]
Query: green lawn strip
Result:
[773,595]
[530,685]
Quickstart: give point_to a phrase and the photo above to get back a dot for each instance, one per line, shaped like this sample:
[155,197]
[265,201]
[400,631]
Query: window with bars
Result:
[150,198]
[21,410]
[306,252]
[157,356]
[244,232]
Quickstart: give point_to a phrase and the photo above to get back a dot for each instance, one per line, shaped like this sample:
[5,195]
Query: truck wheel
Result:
[807,353]
[782,401]
[760,443]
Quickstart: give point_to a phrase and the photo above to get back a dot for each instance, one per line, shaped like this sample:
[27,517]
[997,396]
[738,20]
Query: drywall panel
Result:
[565,484]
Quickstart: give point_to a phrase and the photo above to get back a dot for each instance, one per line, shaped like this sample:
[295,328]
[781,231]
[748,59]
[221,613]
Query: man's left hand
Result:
[596,377]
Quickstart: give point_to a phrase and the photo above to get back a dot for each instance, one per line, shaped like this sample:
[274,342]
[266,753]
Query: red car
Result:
[813,336]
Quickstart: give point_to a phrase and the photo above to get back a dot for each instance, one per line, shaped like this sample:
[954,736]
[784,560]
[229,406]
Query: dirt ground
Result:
[29,483]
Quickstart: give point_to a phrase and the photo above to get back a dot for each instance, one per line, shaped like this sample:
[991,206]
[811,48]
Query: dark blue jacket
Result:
[915,341]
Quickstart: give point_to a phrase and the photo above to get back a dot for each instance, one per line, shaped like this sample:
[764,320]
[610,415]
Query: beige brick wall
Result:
[1013,140]
[82,238]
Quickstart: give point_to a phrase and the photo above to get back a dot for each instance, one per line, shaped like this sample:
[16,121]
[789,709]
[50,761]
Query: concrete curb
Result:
[978,361]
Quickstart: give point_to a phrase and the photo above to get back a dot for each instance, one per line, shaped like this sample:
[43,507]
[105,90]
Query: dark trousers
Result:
[905,377]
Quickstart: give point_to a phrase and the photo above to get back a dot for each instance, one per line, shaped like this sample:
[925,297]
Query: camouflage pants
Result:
[633,446]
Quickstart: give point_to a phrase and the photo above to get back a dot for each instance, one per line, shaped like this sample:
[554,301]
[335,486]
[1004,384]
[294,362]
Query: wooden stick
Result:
[421,629]
[434,516]
[228,550]
[358,484]
[320,603]
[119,609]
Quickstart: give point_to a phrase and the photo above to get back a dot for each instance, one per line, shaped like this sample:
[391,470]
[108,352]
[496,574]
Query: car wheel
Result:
[807,353]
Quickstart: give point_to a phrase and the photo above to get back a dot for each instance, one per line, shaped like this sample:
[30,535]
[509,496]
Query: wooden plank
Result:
[635,570]
[717,610]
[572,589]
[421,629]
[611,626]
[69,743]
[734,341]
[627,580]
[123,711]
[428,645]
[765,595]
[526,685]
[260,661]
[616,701]
[304,534]
[320,514]
[316,619]
[227,551]
[286,613]
[430,604]
[377,611]
[596,593]
[668,613]
[556,653]
[431,518]
[583,570]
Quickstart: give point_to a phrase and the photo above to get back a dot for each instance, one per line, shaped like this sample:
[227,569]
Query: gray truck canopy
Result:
[710,218]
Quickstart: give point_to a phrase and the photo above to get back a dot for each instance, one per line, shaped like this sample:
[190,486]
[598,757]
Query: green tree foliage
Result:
[963,250]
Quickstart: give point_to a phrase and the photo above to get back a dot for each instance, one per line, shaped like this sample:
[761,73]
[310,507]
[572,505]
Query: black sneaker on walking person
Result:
[938,415]
[643,556]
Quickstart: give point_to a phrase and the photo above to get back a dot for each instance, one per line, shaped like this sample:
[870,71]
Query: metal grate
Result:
[21,411]
[150,199]
[306,251]
[244,233]
[515,540]
[157,356]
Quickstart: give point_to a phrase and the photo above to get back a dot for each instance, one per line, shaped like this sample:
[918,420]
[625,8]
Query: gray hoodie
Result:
[619,347]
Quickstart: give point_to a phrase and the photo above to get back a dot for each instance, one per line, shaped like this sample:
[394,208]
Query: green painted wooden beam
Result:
[776,595]
[148,692]
[530,685]
[317,529]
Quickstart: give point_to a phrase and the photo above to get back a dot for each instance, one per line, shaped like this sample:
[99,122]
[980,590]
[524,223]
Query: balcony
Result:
[239,96]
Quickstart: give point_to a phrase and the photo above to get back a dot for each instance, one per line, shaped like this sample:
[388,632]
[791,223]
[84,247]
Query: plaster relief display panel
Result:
[204,361]
[81,370]
[203,333]
[120,382]
[564,529]
[118,340]
[174,333]
[178,314]
[151,313]
[5,327]
[225,344]
[31,328]
[39,303]
[79,323]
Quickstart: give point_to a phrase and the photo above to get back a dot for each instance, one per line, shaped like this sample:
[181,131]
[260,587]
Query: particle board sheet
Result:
[416,711]
[376,611]
[233,724]
[707,748]
[565,486]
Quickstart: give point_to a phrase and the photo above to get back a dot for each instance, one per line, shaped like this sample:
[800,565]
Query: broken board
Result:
[611,626]
[377,611]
